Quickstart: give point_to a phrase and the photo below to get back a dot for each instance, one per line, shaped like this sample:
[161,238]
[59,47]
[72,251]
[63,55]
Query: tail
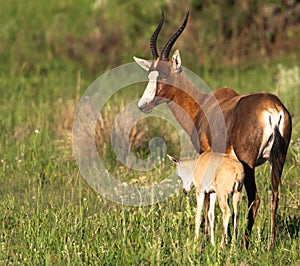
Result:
[238,181]
[277,155]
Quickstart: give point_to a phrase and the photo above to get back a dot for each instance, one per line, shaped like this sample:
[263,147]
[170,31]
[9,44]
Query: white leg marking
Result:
[211,216]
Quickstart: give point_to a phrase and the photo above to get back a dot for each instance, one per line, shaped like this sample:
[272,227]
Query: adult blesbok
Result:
[255,127]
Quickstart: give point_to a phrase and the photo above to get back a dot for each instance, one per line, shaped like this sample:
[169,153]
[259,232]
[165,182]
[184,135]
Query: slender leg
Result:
[206,204]
[200,200]
[235,201]
[274,206]
[277,159]
[211,216]
[223,202]
[253,201]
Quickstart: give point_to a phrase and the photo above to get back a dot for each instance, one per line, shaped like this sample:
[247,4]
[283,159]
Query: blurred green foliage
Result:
[98,35]
[51,51]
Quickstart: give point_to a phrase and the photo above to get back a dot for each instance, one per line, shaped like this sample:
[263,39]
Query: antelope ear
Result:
[143,63]
[176,61]
[173,159]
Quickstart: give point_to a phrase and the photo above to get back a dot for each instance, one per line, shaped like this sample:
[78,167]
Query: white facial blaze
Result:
[150,90]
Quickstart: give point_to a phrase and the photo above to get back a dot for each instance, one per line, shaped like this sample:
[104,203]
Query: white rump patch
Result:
[270,119]
[150,90]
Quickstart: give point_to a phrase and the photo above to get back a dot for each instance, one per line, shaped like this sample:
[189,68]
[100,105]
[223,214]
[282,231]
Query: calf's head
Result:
[184,169]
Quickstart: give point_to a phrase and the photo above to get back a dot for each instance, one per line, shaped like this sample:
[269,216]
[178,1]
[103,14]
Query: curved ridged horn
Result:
[154,37]
[166,50]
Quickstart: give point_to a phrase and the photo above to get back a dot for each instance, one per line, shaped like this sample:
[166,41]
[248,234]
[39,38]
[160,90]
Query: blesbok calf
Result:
[217,174]
[257,127]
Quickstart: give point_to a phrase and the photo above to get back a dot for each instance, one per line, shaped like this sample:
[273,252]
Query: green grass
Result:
[48,213]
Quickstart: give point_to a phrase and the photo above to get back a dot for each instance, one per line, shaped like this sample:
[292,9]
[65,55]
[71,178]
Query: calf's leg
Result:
[200,199]
[211,216]
[206,204]
[235,201]
[223,202]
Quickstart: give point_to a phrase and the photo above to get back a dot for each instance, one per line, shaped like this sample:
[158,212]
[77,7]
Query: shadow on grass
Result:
[288,226]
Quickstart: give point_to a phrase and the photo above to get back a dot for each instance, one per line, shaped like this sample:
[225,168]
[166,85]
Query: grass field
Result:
[50,216]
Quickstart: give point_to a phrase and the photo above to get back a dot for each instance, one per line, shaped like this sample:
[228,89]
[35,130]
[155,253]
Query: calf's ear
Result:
[173,159]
